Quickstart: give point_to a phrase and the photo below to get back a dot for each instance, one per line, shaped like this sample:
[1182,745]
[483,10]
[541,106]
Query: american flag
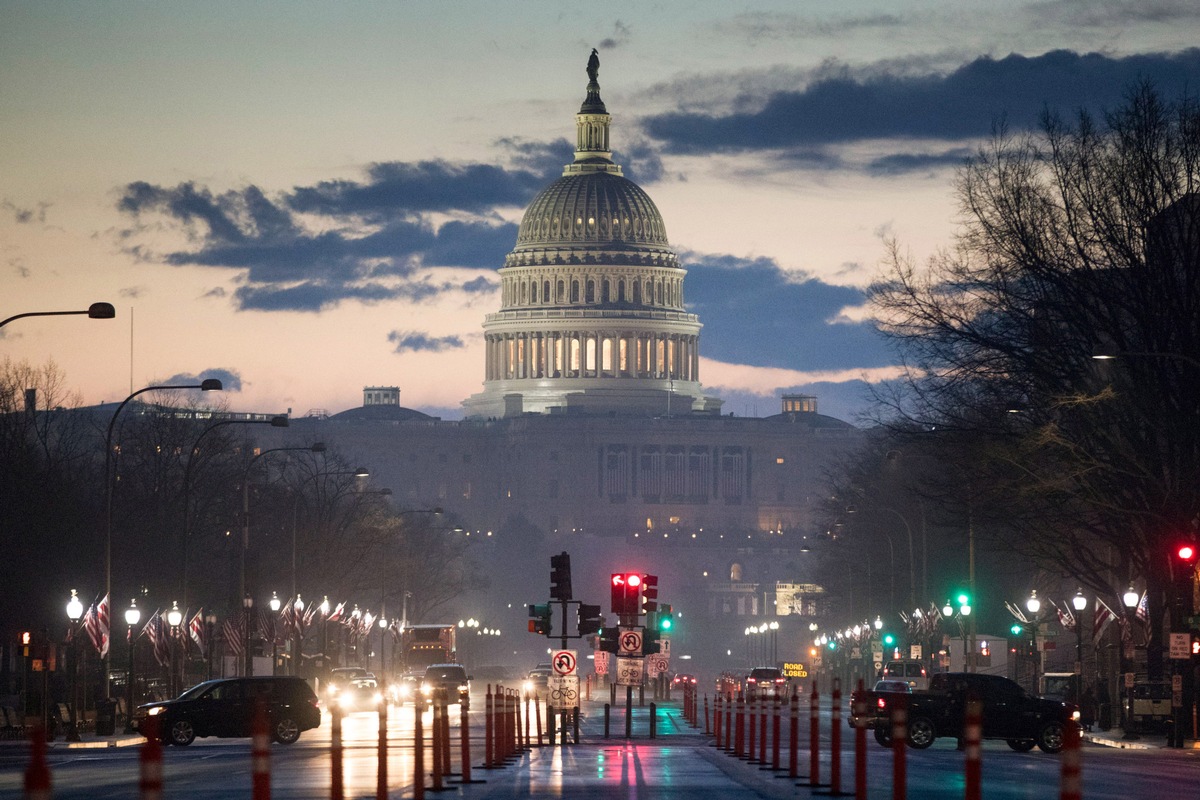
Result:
[95,621]
[235,637]
[1065,617]
[196,629]
[288,615]
[307,619]
[1100,619]
[266,625]
[159,635]
[337,612]
[1143,609]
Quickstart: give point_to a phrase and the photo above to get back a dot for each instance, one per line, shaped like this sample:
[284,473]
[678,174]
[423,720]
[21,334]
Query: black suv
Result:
[225,708]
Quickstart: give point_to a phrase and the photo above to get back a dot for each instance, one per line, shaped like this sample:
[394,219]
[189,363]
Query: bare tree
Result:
[1081,237]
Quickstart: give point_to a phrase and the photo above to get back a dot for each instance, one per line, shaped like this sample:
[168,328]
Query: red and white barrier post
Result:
[1071,784]
[260,754]
[859,700]
[899,743]
[972,744]
[150,769]
[336,785]
[37,774]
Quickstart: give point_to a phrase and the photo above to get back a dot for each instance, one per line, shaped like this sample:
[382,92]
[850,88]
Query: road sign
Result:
[629,643]
[914,652]
[664,645]
[564,662]
[1181,645]
[629,671]
[562,691]
[656,665]
[794,670]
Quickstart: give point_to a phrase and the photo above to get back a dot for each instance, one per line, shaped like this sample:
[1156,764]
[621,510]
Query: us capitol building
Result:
[592,433]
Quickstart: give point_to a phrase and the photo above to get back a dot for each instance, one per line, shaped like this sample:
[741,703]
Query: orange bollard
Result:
[750,705]
[739,740]
[150,778]
[814,737]
[37,774]
[718,742]
[972,738]
[464,724]
[728,723]
[1071,782]
[528,745]
[899,743]
[537,715]
[446,733]
[835,741]
[775,734]
[435,751]
[260,754]
[489,730]
[794,734]
[707,729]
[859,700]
[762,730]
[418,746]
[337,786]
[381,775]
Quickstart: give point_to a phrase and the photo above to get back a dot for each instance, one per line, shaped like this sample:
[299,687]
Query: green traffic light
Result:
[889,639]
[1016,629]
[964,600]
[665,624]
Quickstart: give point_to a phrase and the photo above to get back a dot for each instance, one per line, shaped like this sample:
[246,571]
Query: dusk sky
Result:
[304,198]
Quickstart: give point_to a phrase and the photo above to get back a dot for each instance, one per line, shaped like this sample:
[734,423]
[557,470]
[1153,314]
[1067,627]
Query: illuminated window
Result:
[779,459]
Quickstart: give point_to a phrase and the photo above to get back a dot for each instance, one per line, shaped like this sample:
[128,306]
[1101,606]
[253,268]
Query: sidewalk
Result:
[1116,737]
[87,741]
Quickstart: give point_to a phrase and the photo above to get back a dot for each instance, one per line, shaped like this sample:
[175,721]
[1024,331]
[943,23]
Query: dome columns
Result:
[593,354]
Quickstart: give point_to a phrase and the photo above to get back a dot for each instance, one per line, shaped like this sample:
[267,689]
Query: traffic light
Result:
[889,639]
[1016,629]
[608,640]
[666,619]
[590,619]
[626,592]
[539,619]
[1195,645]
[650,640]
[649,593]
[560,577]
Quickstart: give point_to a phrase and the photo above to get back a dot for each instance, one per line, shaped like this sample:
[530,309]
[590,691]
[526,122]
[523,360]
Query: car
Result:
[362,694]
[682,679]
[340,678]
[767,683]
[404,689]
[910,671]
[538,680]
[225,708]
[451,677]
[892,685]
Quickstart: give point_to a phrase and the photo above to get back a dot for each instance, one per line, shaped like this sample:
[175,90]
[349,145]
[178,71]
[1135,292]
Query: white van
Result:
[911,672]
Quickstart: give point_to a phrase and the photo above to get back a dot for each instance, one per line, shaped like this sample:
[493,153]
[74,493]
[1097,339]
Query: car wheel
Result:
[285,730]
[921,733]
[1021,745]
[181,733]
[1050,738]
[884,736]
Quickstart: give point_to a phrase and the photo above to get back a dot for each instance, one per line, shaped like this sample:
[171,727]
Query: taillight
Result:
[881,703]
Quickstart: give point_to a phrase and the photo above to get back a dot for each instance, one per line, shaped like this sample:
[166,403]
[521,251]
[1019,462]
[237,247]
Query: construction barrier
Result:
[739,733]
[260,753]
[435,750]
[762,731]
[750,751]
[1071,782]
[418,747]
[899,743]
[814,738]
[37,774]
[707,729]
[835,741]
[464,724]
[794,735]
[381,774]
[489,730]
[972,744]
[859,701]
[336,785]
[775,734]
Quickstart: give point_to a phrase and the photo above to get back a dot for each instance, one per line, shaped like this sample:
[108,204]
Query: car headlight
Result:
[426,689]
[155,711]
[463,688]
[1075,715]
[528,686]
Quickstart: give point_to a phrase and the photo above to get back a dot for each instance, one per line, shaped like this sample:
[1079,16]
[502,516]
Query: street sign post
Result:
[1181,645]
[629,671]
[629,643]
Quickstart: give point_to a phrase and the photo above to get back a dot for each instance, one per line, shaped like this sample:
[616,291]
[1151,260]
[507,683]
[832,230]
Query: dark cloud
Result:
[24,216]
[902,163]
[231,380]
[415,342]
[755,313]
[961,105]
[620,35]
[374,236]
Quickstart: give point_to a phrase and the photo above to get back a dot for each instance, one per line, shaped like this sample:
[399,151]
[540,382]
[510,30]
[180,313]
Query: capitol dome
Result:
[592,318]
[589,216]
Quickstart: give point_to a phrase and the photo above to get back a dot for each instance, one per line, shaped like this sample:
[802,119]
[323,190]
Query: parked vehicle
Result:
[226,708]
[1008,712]
[1148,706]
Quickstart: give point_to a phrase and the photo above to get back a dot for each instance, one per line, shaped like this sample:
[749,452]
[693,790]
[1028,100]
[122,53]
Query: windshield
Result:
[197,690]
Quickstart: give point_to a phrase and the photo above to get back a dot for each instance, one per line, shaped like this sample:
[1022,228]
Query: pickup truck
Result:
[1009,713]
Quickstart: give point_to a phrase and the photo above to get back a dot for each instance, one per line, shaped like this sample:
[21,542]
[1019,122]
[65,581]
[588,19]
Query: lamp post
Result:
[210,625]
[74,612]
[324,609]
[316,447]
[1079,603]
[247,607]
[278,421]
[297,622]
[208,385]
[94,311]
[274,603]
[175,619]
[1034,606]
[774,626]
[1130,601]
[132,616]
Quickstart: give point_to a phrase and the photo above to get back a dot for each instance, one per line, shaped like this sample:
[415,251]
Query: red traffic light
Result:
[634,580]
[1186,553]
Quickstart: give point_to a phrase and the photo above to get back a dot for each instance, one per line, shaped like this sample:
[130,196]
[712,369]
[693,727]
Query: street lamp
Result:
[132,616]
[1079,603]
[297,622]
[278,421]
[316,447]
[74,612]
[94,311]
[207,385]
[174,619]
[210,624]
[1034,606]
[1130,599]
[247,606]
[274,603]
